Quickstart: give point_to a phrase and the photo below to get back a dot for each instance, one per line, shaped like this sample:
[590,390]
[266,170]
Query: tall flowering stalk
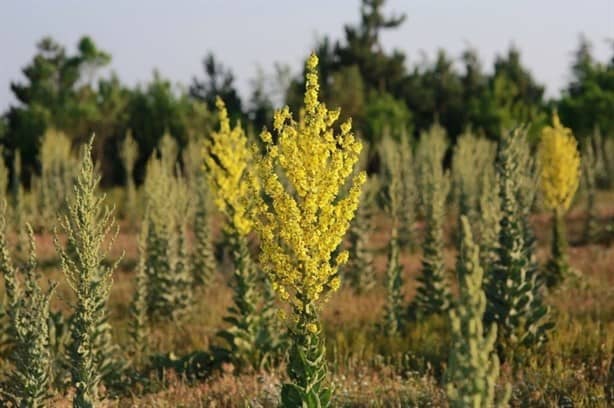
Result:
[229,160]
[129,153]
[473,366]
[90,231]
[560,175]
[302,223]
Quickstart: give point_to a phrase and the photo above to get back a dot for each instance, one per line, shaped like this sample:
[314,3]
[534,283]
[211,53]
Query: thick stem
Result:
[558,266]
[307,367]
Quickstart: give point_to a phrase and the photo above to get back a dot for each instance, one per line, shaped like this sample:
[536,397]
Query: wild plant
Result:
[301,223]
[169,279]
[360,271]
[513,292]
[251,337]
[129,153]
[559,178]
[28,384]
[473,365]
[139,322]
[89,229]
[433,293]
[589,173]
[57,175]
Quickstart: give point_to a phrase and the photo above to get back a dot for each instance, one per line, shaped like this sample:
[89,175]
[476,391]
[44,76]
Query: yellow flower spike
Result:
[560,166]
[228,160]
[304,171]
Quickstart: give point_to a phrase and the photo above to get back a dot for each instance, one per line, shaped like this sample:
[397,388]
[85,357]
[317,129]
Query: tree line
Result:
[380,90]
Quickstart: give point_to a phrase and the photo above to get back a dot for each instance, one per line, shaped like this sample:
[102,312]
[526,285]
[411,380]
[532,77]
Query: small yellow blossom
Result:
[312,328]
[560,165]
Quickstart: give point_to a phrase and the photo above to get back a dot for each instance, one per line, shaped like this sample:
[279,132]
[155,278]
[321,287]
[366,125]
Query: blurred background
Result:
[394,66]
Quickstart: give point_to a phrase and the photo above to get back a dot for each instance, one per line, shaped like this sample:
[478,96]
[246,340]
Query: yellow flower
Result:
[559,165]
[303,221]
[228,160]
[312,328]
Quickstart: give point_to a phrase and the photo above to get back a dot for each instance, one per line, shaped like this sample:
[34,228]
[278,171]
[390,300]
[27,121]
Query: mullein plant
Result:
[302,222]
[393,313]
[17,199]
[360,271]
[513,292]
[471,159]
[4,175]
[169,280]
[251,338]
[489,215]
[90,230]
[559,161]
[203,253]
[401,152]
[28,384]
[473,365]
[559,178]
[57,176]
[433,293]
[139,322]
[129,152]
[169,151]
[527,176]
[589,173]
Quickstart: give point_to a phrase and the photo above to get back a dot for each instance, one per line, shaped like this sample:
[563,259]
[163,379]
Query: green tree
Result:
[58,92]
[218,82]
[588,100]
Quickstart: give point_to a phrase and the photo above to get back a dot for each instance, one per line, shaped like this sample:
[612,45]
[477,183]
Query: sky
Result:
[173,37]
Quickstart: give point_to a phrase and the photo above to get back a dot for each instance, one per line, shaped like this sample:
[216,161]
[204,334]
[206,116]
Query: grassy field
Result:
[368,368]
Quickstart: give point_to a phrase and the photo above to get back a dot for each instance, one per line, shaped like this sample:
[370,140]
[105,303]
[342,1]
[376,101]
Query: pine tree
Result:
[87,225]
[473,366]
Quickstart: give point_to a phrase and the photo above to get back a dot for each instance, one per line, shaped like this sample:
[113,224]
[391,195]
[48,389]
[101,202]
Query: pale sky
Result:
[174,36]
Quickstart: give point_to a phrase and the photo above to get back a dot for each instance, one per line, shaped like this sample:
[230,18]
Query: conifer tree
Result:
[87,226]
[473,365]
